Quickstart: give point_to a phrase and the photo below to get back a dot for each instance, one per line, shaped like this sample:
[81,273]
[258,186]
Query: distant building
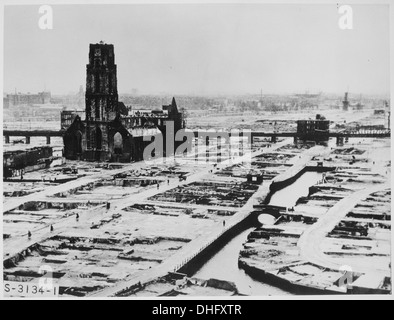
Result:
[345,102]
[313,130]
[27,99]
[16,161]
[67,118]
[308,95]
[359,106]
[108,133]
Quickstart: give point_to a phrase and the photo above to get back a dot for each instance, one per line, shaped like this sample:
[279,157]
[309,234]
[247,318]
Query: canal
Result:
[223,264]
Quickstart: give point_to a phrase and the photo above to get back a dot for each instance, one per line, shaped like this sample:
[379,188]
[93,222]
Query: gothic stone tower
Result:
[107,134]
[101,100]
[101,136]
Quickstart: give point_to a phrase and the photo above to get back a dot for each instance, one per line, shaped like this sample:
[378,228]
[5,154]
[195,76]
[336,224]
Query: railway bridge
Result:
[339,135]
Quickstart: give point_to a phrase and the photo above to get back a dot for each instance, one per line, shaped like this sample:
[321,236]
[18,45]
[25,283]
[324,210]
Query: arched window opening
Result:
[118,143]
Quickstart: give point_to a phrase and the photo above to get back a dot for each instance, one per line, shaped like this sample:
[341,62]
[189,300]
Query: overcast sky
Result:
[201,49]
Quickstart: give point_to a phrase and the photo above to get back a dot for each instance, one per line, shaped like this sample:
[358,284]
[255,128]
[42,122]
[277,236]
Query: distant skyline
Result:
[201,49]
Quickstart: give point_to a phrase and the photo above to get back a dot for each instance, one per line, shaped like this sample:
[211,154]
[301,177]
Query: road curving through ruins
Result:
[311,240]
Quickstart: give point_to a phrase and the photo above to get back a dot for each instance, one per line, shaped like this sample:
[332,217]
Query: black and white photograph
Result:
[196,150]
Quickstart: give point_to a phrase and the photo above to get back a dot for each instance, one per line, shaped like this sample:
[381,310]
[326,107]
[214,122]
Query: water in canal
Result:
[288,196]
[224,264]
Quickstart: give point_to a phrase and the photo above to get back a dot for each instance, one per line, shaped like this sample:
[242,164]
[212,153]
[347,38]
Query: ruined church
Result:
[108,132]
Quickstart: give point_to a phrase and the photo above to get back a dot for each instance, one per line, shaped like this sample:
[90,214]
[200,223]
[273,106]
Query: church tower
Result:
[107,133]
[101,98]
[101,83]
